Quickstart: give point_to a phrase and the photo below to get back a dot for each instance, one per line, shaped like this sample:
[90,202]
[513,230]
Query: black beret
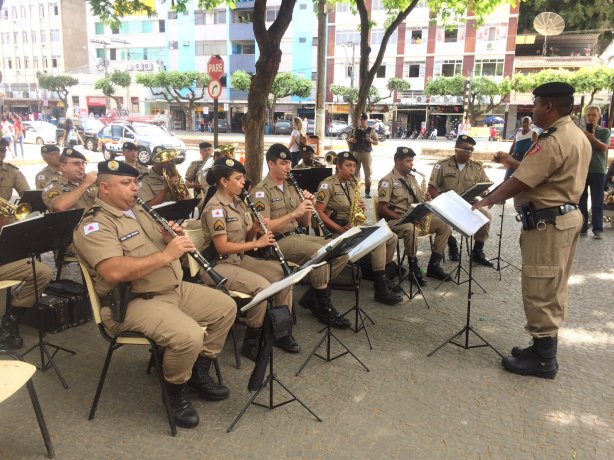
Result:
[554,88]
[465,138]
[364,116]
[403,152]
[307,149]
[117,168]
[69,152]
[49,148]
[222,165]
[278,152]
[343,156]
[205,145]
[129,146]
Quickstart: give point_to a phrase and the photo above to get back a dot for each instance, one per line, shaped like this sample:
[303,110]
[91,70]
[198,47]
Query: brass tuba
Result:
[424,225]
[19,211]
[225,150]
[178,191]
[330,157]
[356,216]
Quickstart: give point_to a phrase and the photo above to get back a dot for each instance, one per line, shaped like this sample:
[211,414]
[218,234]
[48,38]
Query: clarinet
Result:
[326,232]
[218,279]
[284,265]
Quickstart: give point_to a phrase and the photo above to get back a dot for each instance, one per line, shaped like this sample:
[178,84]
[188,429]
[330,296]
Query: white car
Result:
[39,132]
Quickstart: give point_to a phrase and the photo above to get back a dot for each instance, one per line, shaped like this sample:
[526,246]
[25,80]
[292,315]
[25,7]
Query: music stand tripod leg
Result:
[500,259]
[359,313]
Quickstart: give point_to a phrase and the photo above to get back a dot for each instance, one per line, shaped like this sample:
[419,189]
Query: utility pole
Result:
[353,57]
[127,88]
[104,44]
[320,115]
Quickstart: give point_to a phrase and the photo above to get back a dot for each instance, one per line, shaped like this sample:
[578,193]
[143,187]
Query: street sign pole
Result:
[215,69]
[215,105]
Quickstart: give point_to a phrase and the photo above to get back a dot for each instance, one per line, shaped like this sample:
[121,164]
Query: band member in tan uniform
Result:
[334,200]
[199,166]
[51,172]
[11,178]
[546,187]
[230,231]
[121,243]
[278,201]
[396,192]
[131,155]
[154,188]
[460,173]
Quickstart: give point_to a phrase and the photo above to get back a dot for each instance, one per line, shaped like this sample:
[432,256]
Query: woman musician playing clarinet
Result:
[230,231]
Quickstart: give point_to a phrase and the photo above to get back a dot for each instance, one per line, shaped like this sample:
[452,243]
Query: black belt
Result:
[107,300]
[279,236]
[549,215]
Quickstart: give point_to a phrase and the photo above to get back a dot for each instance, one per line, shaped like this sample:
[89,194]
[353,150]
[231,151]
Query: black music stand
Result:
[498,258]
[310,178]
[35,199]
[267,336]
[342,245]
[177,210]
[27,239]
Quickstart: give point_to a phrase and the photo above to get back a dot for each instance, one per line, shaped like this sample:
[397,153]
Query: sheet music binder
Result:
[475,190]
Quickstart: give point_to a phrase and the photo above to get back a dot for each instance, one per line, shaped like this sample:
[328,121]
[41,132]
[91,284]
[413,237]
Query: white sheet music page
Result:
[452,208]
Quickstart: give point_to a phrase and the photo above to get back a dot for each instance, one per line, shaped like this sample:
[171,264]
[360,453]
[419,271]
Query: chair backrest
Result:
[13,375]
[94,299]
[195,236]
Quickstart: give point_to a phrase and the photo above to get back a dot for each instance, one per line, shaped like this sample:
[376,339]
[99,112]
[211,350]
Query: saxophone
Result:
[424,225]
[356,216]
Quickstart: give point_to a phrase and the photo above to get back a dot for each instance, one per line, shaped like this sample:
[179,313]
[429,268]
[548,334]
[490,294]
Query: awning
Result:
[96,101]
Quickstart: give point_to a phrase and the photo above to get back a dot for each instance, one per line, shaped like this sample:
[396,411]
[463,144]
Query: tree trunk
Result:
[189,117]
[118,103]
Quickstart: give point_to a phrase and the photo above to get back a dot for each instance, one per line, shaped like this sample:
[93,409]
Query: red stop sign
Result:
[215,67]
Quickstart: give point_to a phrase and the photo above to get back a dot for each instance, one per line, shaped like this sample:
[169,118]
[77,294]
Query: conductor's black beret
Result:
[554,88]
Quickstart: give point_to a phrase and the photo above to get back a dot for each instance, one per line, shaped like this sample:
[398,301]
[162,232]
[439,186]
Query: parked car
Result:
[283,127]
[310,128]
[383,130]
[146,136]
[335,126]
[222,126]
[39,132]
[87,127]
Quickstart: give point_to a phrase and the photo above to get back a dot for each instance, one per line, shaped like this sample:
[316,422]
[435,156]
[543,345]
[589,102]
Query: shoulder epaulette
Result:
[546,133]
[11,166]
[91,212]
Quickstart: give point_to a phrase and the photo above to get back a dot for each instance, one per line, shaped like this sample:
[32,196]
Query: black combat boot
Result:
[367,192]
[309,301]
[418,276]
[326,308]
[250,343]
[453,249]
[478,254]
[383,294]
[288,343]
[518,352]
[434,270]
[538,360]
[202,383]
[9,328]
[181,407]
[392,276]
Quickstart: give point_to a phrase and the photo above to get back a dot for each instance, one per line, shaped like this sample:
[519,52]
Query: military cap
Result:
[343,156]
[69,152]
[117,168]
[403,152]
[554,88]
[49,148]
[307,149]
[129,146]
[364,116]
[205,145]
[278,152]
[464,138]
[222,166]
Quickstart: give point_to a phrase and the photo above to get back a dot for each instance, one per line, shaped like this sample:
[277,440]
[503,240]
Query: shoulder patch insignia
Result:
[218,226]
[52,194]
[90,228]
[260,206]
[534,150]
[217,213]
[323,186]
[41,177]
[384,184]
[382,193]
[437,166]
[321,195]
[259,194]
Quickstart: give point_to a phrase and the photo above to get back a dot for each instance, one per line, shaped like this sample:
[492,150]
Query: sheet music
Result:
[319,255]
[381,235]
[452,208]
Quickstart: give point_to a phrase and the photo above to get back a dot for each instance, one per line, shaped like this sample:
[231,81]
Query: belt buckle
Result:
[541,225]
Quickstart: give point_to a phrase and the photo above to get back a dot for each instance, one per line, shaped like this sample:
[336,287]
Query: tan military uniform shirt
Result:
[196,166]
[45,176]
[61,186]
[227,217]
[152,184]
[555,166]
[337,197]
[271,202]
[390,190]
[11,178]
[143,171]
[110,232]
[447,175]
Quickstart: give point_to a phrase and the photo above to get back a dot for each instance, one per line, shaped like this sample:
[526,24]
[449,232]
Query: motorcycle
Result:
[451,135]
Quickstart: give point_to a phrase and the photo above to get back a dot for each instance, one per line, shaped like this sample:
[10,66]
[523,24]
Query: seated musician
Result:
[396,192]
[230,231]
[334,201]
[308,159]
[121,243]
[280,202]
[76,189]
[199,167]
[460,173]
[155,189]
[131,154]
[51,156]
[11,178]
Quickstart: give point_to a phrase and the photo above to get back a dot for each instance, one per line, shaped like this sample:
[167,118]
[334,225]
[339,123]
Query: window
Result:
[26,63]
[381,72]
[378,34]
[416,36]
[492,33]
[15,37]
[377,5]
[489,67]
[5,13]
[271,14]
[243,48]
[23,12]
[199,17]
[314,76]
[113,54]
[242,17]
[41,11]
[343,8]
[14,12]
[219,17]
[17,63]
[348,71]
[24,37]
[45,63]
[344,36]
[451,35]
[54,62]
[302,6]
[100,53]
[114,30]
[413,70]
[210,48]
[53,10]
[302,40]
[10,64]
[447,68]
[172,15]
[54,35]
[173,45]
[43,36]
[33,36]
[161,25]
[35,62]
[147,27]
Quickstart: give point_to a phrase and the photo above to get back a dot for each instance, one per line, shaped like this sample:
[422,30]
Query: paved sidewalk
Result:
[456,404]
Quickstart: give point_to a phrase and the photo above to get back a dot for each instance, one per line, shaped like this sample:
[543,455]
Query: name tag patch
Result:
[127,236]
[275,200]
[339,193]
[232,219]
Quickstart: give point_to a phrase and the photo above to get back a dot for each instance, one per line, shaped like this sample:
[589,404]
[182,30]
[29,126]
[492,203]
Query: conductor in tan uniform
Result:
[51,172]
[546,188]
[460,173]
[279,202]
[121,243]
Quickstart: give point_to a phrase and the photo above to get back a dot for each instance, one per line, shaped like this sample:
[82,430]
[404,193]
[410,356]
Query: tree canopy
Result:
[350,95]
[58,84]
[108,85]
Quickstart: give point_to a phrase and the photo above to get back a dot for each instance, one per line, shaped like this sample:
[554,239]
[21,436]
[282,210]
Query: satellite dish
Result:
[99,68]
[548,24]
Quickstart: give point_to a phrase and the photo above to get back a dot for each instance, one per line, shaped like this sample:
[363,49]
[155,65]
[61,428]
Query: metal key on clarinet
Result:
[282,260]
[325,231]
[218,279]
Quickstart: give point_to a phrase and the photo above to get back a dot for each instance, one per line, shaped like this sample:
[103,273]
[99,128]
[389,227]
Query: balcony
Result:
[245,62]
[241,31]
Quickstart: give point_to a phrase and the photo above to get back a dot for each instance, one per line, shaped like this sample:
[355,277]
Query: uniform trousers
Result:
[364,161]
[251,277]
[173,320]
[482,234]
[547,256]
[383,254]
[24,295]
[437,226]
[298,249]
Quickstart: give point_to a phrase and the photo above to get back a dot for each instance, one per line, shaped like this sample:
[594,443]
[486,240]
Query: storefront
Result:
[96,105]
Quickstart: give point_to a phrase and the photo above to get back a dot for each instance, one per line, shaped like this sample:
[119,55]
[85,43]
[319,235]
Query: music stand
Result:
[498,258]
[310,178]
[28,238]
[340,246]
[460,220]
[267,335]
[35,199]
[177,210]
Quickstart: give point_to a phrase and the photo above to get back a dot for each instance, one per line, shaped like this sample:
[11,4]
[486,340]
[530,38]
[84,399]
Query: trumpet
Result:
[227,150]
[330,157]
[19,211]
[218,279]
[325,232]
[178,191]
